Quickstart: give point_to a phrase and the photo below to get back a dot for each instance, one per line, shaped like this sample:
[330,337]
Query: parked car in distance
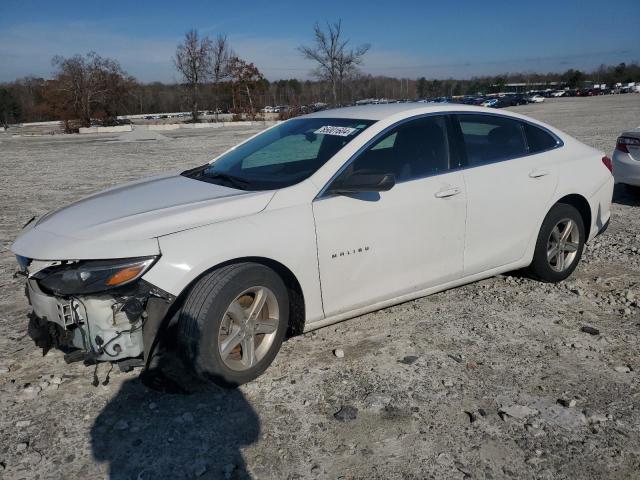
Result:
[536,99]
[313,221]
[490,102]
[626,159]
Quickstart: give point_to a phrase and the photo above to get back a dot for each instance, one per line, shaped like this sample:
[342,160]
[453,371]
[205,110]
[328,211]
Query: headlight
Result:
[92,276]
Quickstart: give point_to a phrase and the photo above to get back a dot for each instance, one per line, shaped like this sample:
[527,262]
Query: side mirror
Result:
[363,182]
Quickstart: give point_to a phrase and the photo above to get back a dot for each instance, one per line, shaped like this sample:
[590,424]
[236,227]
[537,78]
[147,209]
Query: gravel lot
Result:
[492,380]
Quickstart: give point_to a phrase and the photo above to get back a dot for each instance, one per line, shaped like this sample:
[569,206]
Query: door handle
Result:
[449,192]
[538,173]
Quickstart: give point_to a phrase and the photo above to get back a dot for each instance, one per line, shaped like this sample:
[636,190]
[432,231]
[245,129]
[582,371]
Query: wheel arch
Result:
[297,315]
[581,204]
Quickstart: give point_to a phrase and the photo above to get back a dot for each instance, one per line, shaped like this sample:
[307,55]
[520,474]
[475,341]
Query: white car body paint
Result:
[418,242]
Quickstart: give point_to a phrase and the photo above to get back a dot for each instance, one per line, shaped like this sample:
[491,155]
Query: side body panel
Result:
[372,247]
[505,208]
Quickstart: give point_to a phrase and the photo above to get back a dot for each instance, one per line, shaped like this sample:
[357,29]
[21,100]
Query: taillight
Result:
[623,143]
[607,163]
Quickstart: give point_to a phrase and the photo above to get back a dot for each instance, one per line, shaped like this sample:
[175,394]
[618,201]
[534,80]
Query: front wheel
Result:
[233,323]
[559,245]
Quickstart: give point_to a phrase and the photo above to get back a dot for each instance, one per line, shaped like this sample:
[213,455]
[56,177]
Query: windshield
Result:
[282,156]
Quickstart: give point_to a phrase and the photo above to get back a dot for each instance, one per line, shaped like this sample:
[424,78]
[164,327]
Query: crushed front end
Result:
[93,310]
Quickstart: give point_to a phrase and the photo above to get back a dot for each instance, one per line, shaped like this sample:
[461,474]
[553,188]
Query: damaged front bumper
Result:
[106,326]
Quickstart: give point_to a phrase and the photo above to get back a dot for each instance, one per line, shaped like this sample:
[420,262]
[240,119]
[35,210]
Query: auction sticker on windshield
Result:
[339,131]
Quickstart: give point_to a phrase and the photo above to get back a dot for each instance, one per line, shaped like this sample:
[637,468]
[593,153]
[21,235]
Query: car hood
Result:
[125,221]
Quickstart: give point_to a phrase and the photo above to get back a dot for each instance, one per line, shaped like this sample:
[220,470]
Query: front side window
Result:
[282,156]
[491,138]
[415,149]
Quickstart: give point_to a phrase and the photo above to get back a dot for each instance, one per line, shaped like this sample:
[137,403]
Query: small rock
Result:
[622,369]
[590,330]
[55,380]
[597,418]
[456,358]
[338,352]
[22,446]
[444,459]
[518,411]
[4,369]
[200,469]
[346,413]
[121,425]
[187,417]
[447,382]
[377,401]
[30,391]
[153,406]
[23,423]
[568,403]
[408,359]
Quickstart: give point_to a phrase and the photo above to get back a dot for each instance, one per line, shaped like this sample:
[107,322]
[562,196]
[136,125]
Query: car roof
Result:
[379,112]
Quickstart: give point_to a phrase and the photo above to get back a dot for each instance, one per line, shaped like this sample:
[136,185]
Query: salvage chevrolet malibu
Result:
[313,221]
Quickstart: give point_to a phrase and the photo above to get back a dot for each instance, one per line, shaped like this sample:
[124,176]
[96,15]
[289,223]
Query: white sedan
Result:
[313,221]
[626,159]
[536,99]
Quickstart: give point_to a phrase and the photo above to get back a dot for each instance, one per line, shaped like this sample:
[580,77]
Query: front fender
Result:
[285,235]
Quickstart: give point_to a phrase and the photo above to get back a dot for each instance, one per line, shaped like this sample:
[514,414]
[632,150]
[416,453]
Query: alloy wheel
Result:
[563,244]
[248,328]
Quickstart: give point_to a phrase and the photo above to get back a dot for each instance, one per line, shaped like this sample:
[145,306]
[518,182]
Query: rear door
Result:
[510,176]
[377,246]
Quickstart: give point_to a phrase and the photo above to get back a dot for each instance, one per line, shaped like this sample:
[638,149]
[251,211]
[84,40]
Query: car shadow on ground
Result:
[144,434]
[179,428]
[624,195]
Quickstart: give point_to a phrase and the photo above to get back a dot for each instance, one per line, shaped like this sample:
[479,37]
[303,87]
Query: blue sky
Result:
[454,38]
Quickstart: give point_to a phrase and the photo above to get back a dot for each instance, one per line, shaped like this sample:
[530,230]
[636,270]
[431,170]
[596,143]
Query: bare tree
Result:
[220,56]
[193,59]
[335,62]
[85,85]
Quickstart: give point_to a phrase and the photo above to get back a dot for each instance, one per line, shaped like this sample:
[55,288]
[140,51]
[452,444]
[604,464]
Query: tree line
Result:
[215,78]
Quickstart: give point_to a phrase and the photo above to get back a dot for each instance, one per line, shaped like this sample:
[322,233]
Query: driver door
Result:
[377,246]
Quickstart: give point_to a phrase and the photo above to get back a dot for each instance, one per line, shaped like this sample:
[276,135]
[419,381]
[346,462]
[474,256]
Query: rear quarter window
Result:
[538,139]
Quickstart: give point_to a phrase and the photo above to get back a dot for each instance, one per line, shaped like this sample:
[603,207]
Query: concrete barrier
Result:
[203,125]
[175,126]
[168,126]
[117,129]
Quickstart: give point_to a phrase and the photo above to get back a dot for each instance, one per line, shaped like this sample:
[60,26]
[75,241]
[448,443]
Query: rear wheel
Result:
[233,322]
[559,245]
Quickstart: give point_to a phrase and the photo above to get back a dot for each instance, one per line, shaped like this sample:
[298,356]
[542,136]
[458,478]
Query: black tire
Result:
[204,309]
[540,267]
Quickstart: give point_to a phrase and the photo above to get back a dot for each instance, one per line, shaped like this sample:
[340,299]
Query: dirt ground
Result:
[491,380]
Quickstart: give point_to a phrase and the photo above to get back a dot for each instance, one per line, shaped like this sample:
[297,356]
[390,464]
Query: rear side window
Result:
[537,139]
[491,138]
